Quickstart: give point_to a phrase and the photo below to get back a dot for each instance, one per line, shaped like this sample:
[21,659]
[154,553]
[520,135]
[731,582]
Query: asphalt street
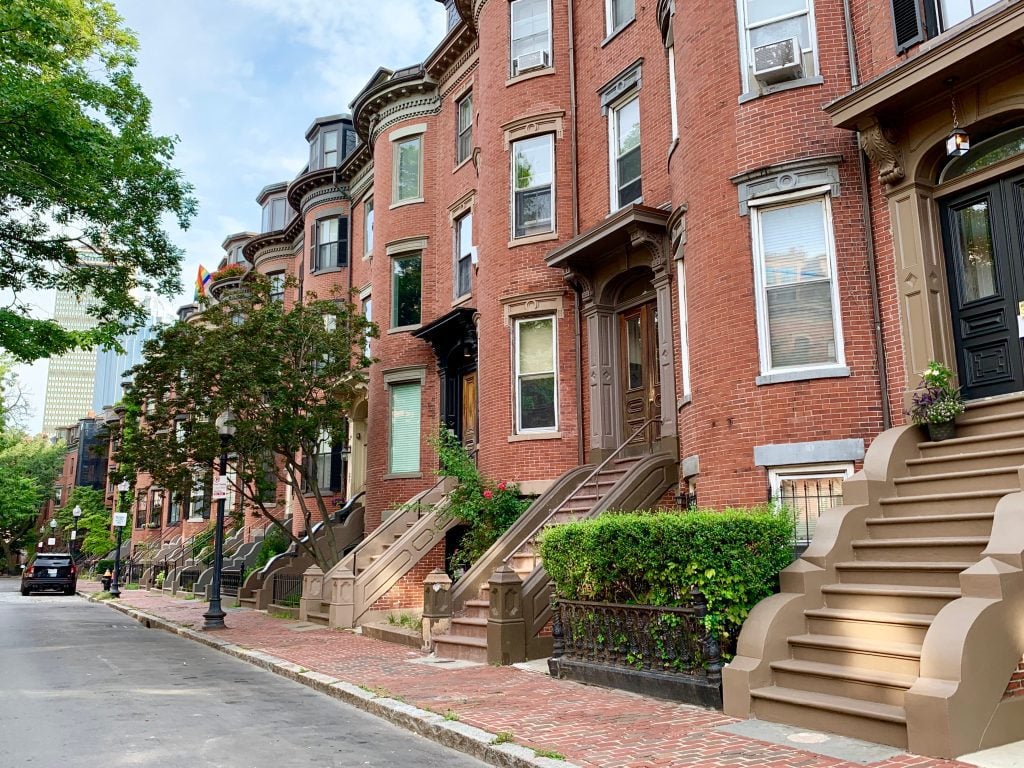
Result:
[83,686]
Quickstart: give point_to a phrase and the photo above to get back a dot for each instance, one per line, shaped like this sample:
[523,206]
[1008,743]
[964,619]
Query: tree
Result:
[93,526]
[84,184]
[288,399]
[28,468]
[14,407]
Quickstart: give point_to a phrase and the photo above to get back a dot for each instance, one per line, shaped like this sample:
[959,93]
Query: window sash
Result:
[536,380]
[533,189]
[277,280]
[368,226]
[368,314]
[618,13]
[331,243]
[530,27]
[404,437]
[408,169]
[626,171]
[797,293]
[465,129]
[329,142]
[406,290]
[463,253]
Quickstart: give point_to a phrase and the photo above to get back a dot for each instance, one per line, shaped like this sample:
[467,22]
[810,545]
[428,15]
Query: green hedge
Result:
[733,557]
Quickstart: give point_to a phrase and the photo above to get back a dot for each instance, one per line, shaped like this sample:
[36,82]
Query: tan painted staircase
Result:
[631,483]
[846,654]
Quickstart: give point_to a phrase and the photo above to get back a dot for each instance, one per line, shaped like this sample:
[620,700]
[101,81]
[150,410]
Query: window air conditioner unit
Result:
[776,62]
[528,61]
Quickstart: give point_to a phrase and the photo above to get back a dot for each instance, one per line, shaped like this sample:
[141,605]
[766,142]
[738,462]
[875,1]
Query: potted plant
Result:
[937,402]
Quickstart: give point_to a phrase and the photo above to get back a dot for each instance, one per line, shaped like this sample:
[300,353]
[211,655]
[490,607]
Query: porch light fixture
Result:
[958,143]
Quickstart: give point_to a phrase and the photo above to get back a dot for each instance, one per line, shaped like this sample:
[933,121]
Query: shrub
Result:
[102,566]
[733,557]
[274,543]
[936,400]
[159,580]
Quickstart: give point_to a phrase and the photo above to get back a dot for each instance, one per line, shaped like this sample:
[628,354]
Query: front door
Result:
[469,411]
[640,375]
[983,234]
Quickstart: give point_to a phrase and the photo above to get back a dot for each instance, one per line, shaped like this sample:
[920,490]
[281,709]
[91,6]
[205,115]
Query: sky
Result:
[239,82]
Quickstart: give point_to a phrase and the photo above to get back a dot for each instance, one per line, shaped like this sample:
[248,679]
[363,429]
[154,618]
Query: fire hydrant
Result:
[105,580]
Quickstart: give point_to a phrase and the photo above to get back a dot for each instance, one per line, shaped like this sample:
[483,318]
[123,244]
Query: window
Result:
[199,501]
[174,510]
[368,227]
[408,169]
[807,492]
[463,254]
[618,13]
[235,255]
[624,124]
[684,338]
[797,297]
[531,35]
[351,141]
[331,250]
[329,140]
[769,57]
[464,145]
[536,398]
[672,103]
[156,508]
[404,440]
[274,214]
[58,494]
[405,290]
[325,466]
[277,281]
[368,314]
[533,173]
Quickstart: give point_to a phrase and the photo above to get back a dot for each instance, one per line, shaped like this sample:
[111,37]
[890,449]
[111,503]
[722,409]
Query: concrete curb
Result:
[449,733]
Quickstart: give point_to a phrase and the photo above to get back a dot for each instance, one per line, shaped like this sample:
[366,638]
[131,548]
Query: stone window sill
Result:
[830,372]
[530,239]
[524,436]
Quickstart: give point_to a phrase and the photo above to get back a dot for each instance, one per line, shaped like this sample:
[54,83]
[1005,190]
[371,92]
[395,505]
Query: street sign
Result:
[220,488]
[51,542]
[120,519]
[74,535]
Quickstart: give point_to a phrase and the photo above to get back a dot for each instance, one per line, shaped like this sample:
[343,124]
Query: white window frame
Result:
[842,471]
[750,86]
[368,226]
[463,252]
[610,27]
[397,144]
[613,149]
[463,130]
[518,321]
[684,337]
[404,378]
[512,177]
[512,40]
[673,102]
[837,368]
[366,299]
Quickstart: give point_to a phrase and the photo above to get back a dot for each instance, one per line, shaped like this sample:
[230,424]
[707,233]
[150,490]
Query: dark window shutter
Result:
[343,241]
[336,462]
[906,18]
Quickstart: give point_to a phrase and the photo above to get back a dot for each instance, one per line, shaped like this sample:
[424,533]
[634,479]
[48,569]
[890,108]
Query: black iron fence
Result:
[807,498]
[287,589]
[230,581]
[132,572]
[189,577]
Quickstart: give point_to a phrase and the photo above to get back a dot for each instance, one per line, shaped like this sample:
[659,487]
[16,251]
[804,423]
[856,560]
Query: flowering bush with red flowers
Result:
[230,270]
[486,508]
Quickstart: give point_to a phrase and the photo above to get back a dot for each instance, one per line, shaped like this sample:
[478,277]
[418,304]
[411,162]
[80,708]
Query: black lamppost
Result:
[76,513]
[214,616]
[120,521]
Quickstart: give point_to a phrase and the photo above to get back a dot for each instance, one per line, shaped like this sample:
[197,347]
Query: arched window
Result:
[988,152]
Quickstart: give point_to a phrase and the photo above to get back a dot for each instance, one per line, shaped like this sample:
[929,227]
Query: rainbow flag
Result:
[202,280]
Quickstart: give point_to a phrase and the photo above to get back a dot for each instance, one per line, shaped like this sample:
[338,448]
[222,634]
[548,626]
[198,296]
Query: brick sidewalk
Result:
[590,726]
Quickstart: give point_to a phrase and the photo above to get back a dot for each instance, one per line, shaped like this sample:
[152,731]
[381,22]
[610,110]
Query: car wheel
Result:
[25,592]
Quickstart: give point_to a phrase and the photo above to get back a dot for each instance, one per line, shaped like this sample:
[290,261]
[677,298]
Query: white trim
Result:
[613,148]
[760,289]
[610,27]
[458,254]
[673,101]
[518,429]
[749,87]
[511,40]
[406,131]
[805,472]
[512,187]
[396,146]
[684,341]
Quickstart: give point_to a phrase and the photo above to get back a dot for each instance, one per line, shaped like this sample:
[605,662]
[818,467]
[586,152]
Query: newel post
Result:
[506,629]
[712,653]
[437,605]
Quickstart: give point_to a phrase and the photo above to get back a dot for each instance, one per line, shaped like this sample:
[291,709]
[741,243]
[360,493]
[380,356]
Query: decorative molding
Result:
[463,204]
[405,245]
[791,176]
[323,196]
[541,303]
[676,226]
[630,79]
[406,374]
[362,183]
[879,143]
[654,242]
[581,282]
[416,129]
[546,122]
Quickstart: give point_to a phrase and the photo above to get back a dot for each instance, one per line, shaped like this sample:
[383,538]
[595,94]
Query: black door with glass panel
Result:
[984,244]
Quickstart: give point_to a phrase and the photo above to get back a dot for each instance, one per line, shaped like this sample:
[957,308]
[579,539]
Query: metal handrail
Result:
[582,485]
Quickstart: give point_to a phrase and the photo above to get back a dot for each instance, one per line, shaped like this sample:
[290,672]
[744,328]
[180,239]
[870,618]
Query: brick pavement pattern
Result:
[590,726]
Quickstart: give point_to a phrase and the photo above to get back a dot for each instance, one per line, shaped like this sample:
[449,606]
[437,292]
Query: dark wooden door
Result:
[639,374]
[983,239]
[469,411]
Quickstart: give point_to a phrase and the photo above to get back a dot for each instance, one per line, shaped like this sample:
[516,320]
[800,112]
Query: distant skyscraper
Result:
[71,376]
[111,365]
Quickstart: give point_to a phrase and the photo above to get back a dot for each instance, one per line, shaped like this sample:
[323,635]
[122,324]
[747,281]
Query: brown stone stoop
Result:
[900,624]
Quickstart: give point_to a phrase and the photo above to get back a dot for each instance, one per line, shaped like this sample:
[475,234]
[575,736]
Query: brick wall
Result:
[1016,685]
[408,592]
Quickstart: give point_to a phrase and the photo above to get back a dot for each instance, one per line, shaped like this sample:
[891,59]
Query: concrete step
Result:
[862,684]
[477,609]
[869,624]
[879,655]
[980,421]
[956,524]
[894,598]
[459,647]
[466,626]
[906,574]
[923,549]
[943,503]
[866,720]
[1000,439]
[1008,456]
[985,479]
[318,617]
[994,406]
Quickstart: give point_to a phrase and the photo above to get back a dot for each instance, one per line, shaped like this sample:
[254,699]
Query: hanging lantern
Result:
[958,143]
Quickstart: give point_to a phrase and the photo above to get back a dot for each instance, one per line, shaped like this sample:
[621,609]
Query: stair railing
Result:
[540,526]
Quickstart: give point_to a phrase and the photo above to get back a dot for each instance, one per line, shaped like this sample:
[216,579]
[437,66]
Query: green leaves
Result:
[733,557]
[80,172]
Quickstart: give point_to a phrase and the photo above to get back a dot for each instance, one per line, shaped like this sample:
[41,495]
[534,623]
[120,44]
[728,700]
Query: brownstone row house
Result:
[700,251]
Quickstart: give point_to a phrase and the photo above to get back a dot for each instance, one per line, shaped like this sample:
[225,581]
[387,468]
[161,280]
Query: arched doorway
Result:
[639,371]
[983,242]
[357,460]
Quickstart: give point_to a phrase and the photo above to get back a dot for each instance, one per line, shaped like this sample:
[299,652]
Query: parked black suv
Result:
[53,570]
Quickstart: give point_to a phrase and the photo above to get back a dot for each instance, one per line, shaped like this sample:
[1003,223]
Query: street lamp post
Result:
[214,616]
[53,533]
[77,513]
[120,520]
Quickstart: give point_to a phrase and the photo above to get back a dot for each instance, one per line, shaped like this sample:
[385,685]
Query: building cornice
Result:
[408,93]
[451,52]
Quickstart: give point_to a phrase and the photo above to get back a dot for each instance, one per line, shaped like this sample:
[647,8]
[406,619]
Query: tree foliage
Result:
[28,468]
[93,526]
[85,186]
[291,379]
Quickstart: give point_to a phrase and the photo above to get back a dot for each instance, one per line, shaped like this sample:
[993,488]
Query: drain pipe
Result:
[581,451]
[869,236]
